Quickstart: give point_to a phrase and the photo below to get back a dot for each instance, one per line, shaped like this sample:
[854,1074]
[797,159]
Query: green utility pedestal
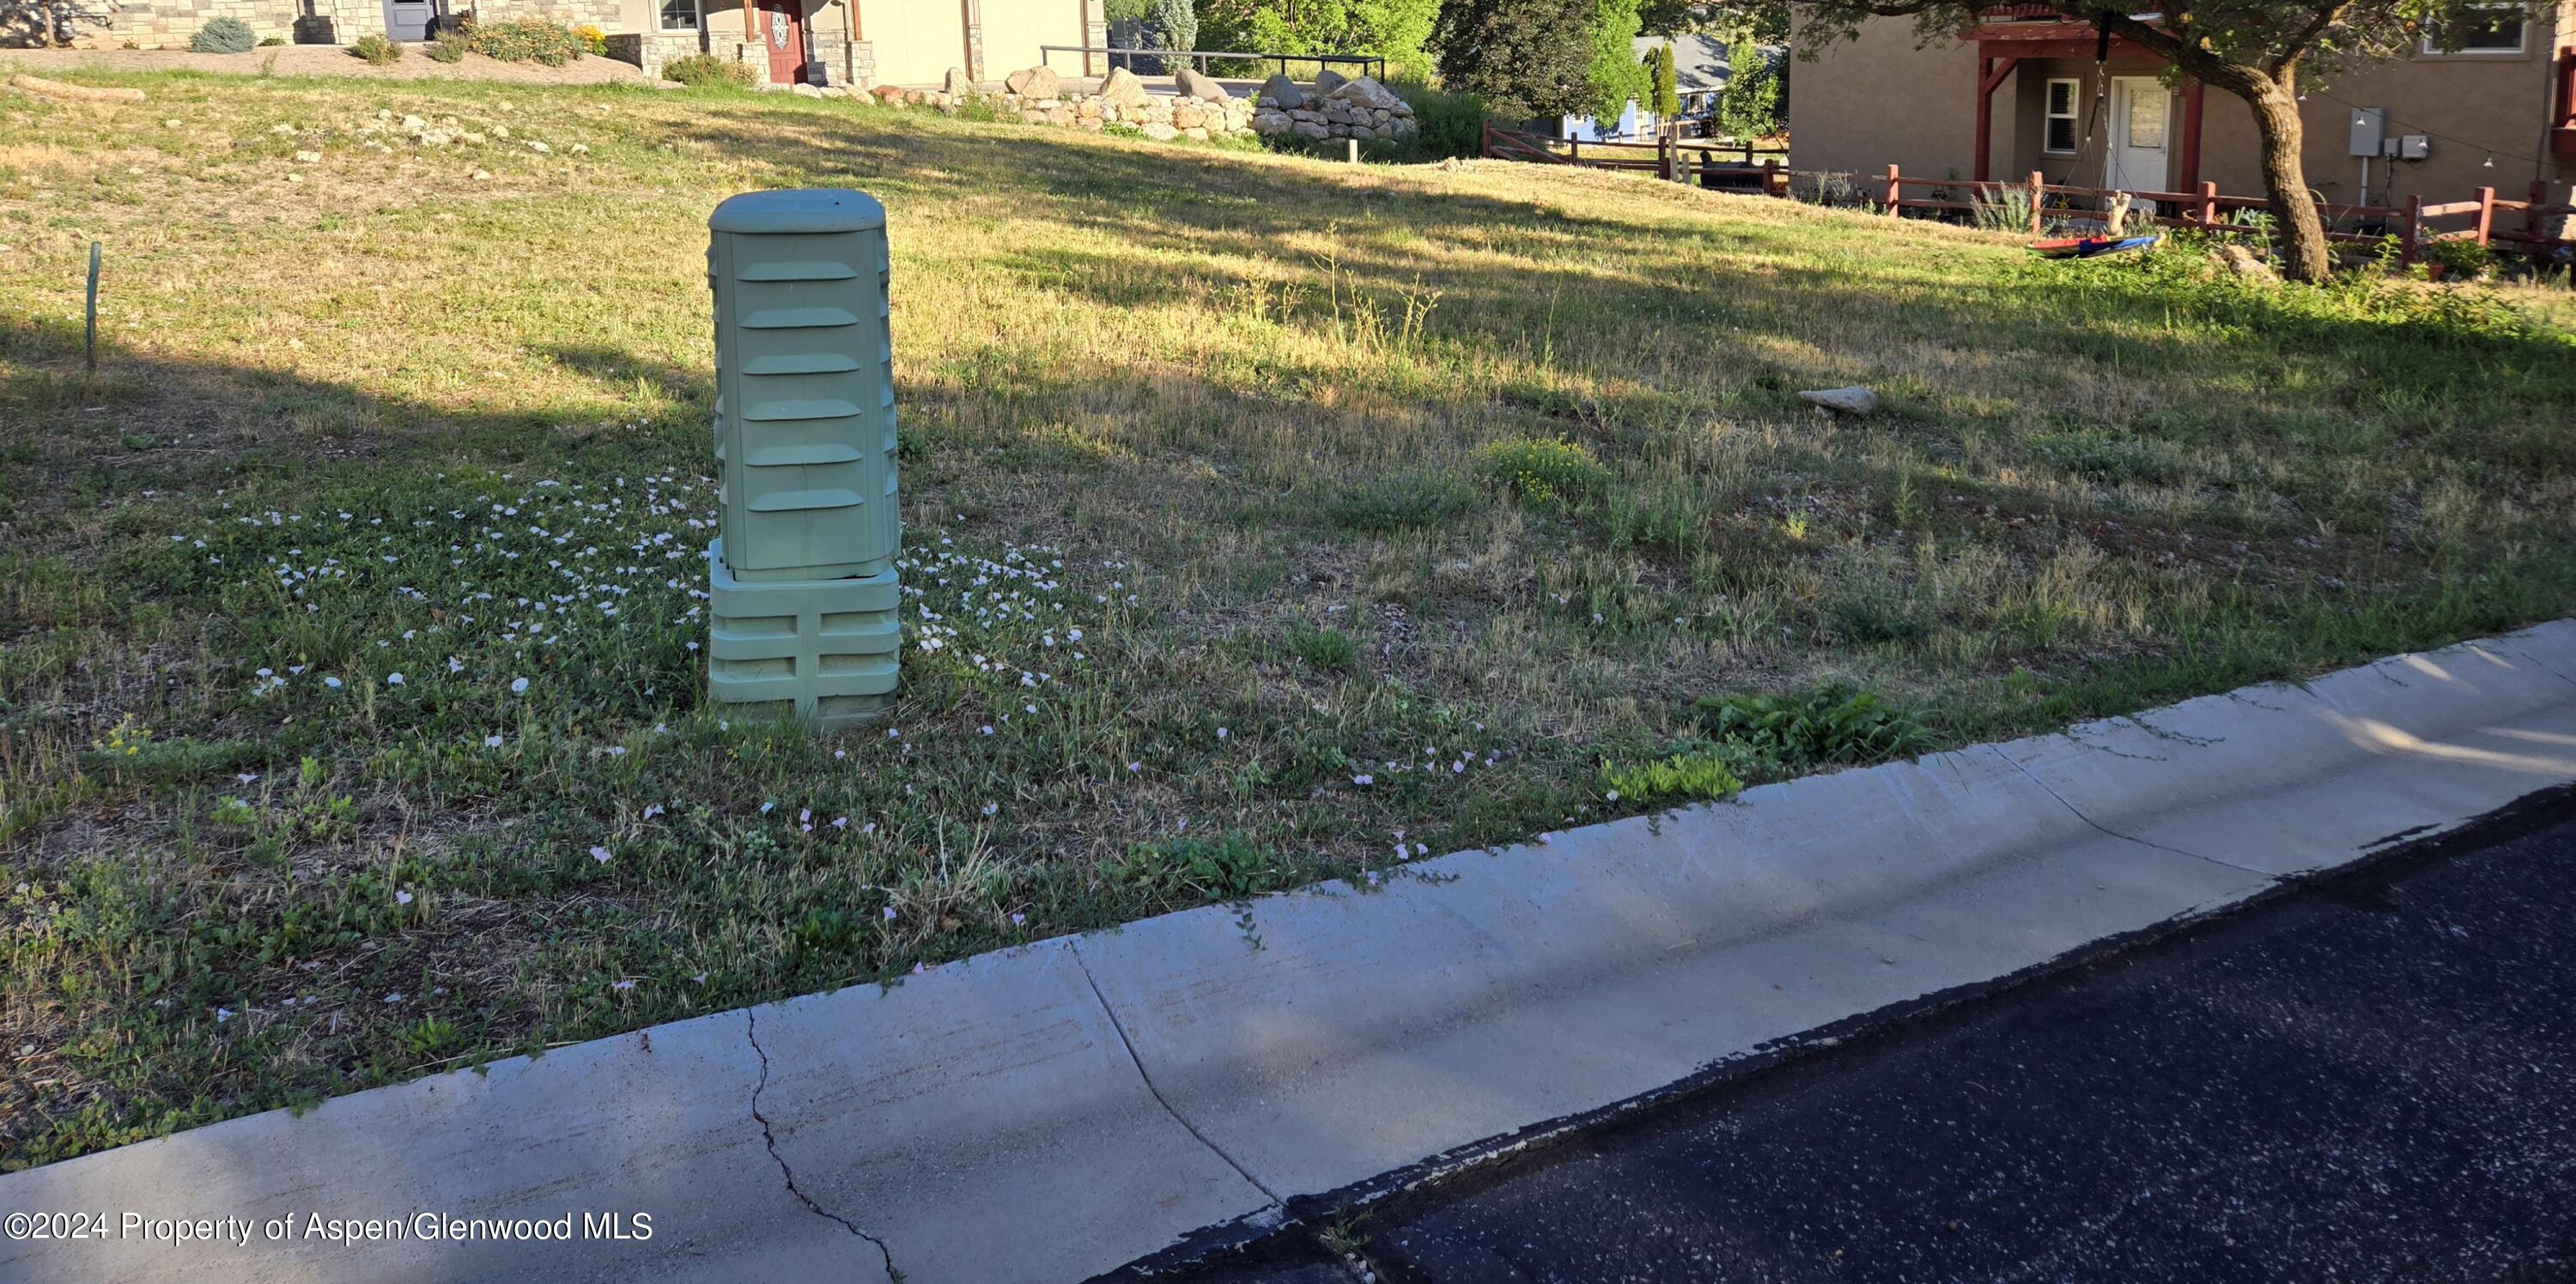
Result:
[802,581]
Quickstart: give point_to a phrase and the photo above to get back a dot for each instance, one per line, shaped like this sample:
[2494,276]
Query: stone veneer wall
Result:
[171,24]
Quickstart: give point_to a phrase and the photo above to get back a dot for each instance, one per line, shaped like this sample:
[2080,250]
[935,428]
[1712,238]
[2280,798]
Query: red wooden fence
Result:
[2204,210]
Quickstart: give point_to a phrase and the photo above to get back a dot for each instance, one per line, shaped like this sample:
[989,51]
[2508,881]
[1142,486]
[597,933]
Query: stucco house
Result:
[856,43]
[2027,94]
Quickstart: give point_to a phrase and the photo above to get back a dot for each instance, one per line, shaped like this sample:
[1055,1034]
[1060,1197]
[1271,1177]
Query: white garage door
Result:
[916,41]
[1013,30]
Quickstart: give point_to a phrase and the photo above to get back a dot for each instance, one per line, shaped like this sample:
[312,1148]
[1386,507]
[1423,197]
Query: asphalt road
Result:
[2374,1079]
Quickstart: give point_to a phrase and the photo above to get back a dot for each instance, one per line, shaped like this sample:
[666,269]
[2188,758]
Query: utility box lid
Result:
[813,209]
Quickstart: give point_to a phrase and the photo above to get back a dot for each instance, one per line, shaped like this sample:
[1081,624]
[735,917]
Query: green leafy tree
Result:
[1396,30]
[1749,106]
[2257,50]
[1524,58]
[1615,73]
[1668,90]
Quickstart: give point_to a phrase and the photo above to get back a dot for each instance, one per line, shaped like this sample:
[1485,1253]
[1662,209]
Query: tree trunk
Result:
[2304,255]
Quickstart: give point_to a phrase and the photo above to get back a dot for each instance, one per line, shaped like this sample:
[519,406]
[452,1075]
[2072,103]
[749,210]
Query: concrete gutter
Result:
[1051,1112]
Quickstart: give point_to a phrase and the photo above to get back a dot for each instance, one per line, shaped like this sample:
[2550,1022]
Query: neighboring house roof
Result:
[1699,62]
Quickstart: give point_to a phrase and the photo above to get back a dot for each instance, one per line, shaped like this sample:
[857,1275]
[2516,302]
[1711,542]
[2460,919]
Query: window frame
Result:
[2074,116]
[697,18]
[2428,47]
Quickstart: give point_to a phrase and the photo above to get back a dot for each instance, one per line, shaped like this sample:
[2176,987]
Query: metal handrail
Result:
[1199,57]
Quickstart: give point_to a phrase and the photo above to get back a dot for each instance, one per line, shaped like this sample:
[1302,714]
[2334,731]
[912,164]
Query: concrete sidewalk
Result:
[1051,1112]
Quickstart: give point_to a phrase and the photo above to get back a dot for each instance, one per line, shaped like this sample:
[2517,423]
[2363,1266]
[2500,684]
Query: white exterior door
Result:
[2141,116]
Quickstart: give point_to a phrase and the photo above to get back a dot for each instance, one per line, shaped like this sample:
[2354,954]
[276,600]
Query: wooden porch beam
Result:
[2191,93]
[1990,73]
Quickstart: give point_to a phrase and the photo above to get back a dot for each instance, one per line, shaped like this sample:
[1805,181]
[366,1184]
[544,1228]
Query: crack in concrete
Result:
[1074,948]
[2078,813]
[768,1138]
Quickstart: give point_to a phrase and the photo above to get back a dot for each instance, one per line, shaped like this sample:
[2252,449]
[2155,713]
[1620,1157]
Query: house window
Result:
[2498,33]
[679,15]
[2059,138]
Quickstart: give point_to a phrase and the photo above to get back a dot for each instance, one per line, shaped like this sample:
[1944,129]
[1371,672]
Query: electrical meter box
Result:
[2369,130]
[803,595]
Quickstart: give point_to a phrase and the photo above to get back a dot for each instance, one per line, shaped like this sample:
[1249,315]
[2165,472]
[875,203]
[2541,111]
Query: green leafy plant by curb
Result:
[376,51]
[1698,773]
[1829,724]
[224,36]
[702,69]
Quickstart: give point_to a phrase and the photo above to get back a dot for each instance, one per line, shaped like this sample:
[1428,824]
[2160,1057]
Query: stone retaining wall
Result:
[1332,108]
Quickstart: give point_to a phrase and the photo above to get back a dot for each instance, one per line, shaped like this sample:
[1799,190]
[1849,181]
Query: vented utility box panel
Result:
[802,581]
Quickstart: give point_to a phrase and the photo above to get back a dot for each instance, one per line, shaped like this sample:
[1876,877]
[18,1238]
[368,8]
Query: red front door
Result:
[782,28]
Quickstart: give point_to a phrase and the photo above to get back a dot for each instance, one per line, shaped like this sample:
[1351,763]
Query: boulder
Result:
[1841,401]
[1193,85]
[1160,132]
[1309,129]
[1279,91]
[1120,88]
[2245,262]
[806,91]
[888,94]
[958,84]
[1267,123]
[1326,81]
[1366,92]
[831,91]
[1036,82]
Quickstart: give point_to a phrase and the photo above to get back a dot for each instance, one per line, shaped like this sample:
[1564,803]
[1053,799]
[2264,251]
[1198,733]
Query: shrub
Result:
[705,69]
[1831,723]
[375,50]
[1451,124]
[1400,501]
[526,40]
[1554,473]
[272,41]
[448,47]
[224,36]
[593,40]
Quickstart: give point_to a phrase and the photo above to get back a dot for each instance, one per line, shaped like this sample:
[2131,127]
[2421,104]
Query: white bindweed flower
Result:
[889,913]
[518,686]
[333,683]
[491,742]
[599,854]
[402,898]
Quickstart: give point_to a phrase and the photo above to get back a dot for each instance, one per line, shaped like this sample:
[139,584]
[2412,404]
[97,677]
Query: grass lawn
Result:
[1269,520]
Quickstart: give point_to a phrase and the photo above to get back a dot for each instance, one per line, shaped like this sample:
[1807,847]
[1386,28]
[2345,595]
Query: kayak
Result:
[2091,246]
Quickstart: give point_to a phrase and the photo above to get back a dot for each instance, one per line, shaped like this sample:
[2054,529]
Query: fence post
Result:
[1708,169]
[1774,181]
[2208,215]
[2414,216]
[2038,197]
[2531,212]
[1574,150]
[1664,160]
[1894,191]
[2486,213]
[1484,138]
